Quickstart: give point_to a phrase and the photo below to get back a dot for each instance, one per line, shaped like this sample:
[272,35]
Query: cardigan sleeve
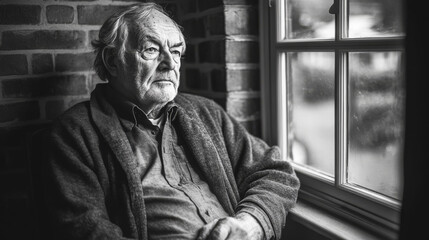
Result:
[267,184]
[74,196]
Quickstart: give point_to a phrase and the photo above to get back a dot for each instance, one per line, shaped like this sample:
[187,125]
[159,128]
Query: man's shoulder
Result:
[78,113]
[192,101]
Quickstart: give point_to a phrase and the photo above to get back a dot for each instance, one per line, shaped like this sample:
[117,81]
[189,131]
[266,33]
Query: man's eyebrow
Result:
[179,44]
[151,39]
[156,40]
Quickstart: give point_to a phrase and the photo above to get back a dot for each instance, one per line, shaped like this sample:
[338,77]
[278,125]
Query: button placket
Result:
[171,170]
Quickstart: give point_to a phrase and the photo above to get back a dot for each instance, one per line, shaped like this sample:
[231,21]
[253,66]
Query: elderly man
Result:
[140,161]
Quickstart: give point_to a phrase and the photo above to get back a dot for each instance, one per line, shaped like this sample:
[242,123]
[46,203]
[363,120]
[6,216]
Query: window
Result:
[336,102]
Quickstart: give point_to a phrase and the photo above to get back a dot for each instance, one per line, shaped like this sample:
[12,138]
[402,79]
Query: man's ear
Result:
[108,57]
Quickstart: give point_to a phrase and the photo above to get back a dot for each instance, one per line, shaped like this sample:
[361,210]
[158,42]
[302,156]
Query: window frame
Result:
[379,215]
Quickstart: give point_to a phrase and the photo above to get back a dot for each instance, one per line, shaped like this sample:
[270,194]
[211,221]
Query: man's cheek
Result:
[143,73]
[178,80]
[147,69]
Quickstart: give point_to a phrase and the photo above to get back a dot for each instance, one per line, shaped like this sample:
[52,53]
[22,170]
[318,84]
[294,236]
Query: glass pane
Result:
[375,18]
[309,19]
[376,121]
[311,109]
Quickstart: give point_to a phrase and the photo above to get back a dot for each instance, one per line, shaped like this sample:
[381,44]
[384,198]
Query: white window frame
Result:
[373,212]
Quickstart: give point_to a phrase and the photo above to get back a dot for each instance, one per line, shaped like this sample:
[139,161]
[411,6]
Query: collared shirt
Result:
[178,201]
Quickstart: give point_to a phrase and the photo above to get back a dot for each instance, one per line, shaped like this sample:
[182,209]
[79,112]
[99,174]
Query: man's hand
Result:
[241,227]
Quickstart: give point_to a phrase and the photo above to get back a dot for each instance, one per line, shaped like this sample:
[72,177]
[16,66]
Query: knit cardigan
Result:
[94,190]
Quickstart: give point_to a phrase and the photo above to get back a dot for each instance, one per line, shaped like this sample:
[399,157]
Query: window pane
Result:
[311,109]
[375,18]
[376,121]
[309,19]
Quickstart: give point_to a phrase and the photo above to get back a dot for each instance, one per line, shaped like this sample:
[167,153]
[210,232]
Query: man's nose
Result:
[167,61]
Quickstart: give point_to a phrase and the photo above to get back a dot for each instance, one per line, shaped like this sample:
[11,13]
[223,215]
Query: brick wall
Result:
[222,59]
[46,67]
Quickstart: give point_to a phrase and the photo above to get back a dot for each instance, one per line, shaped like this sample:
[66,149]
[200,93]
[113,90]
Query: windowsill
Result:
[327,224]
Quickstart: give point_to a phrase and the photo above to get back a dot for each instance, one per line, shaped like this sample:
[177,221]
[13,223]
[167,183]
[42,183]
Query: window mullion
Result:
[341,117]
[342,20]
[341,96]
[281,19]
[282,107]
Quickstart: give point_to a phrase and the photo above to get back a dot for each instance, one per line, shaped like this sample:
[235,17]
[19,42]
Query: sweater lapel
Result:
[107,122]
[206,155]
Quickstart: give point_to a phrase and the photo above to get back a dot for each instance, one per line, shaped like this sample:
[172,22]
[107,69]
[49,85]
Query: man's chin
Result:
[164,96]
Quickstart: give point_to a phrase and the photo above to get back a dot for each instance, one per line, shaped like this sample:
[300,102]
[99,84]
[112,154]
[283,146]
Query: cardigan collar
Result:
[107,122]
[129,113]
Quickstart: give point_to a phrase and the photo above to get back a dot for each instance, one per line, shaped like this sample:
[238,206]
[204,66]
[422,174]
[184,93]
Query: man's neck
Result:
[155,112]
[158,121]
[152,110]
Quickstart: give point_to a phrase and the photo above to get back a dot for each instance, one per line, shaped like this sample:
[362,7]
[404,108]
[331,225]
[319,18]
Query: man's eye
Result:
[150,53]
[151,50]
[176,53]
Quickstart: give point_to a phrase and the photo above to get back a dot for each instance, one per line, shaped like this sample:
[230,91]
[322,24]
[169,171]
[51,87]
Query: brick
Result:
[205,4]
[74,62]
[193,28]
[95,79]
[54,108]
[190,76]
[187,6]
[45,86]
[75,101]
[221,102]
[215,24]
[196,80]
[218,80]
[93,35]
[13,65]
[241,2]
[241,21]
[59,14]
[242,52]
[95,14]
[171,9]
[42,63]
[213,52]
[243,108]
[20,14]
[243,80]
[21,111]
[189,56]
[42,39]
[182,86]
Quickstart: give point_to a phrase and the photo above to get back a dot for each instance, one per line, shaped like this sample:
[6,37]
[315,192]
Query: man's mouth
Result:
[163,81]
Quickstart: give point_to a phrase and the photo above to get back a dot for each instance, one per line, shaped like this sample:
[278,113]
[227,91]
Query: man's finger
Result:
[220,231]
[205,231]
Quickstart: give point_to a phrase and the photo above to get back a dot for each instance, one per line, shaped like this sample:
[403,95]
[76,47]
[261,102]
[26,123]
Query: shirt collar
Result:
[130,114]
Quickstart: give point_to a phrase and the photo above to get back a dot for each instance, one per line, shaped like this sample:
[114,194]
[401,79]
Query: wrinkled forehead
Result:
[156,18]
[159,27]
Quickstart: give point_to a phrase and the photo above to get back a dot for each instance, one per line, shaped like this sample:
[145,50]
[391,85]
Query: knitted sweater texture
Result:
[94,190]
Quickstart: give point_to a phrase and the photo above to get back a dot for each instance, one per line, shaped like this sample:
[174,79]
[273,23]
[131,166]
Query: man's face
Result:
[149,76]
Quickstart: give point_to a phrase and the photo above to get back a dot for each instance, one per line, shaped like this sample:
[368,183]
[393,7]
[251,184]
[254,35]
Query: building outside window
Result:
[334,102]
